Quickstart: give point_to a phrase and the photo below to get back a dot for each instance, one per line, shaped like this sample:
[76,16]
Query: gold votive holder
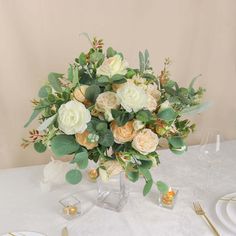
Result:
[168,199]
[71,207]
[92,174]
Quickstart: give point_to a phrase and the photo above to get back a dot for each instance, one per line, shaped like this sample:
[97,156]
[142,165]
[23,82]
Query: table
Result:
[23,206]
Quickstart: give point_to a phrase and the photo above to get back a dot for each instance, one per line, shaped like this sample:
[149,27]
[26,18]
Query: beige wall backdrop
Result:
[40,36]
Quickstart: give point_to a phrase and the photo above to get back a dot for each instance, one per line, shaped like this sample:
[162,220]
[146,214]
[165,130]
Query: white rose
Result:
[73,117]
[151,103]
[132,97]
[113,65]
[107,101]
[138,124]
[153,91]
[145,141]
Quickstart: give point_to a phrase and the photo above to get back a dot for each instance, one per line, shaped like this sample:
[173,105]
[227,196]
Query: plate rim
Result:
[222,205]
[23,232]
[227,208]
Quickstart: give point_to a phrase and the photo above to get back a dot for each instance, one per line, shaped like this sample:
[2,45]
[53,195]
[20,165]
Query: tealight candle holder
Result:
[71,207]
[168,199]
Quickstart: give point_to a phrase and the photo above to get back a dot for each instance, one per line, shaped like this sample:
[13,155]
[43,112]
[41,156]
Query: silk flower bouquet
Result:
[105,111]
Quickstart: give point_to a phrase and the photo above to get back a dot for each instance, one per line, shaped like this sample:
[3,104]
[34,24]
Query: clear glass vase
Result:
[113,194]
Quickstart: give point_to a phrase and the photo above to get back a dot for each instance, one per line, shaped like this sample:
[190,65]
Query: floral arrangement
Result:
[117,116]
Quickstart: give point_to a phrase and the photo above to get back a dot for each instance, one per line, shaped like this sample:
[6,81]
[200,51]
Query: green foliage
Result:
[44,91]
[40,147]
[192,110]
[111,52]
[144,61]
[106,138]
[81,158]
[121,116]
[97,57]
[92,93]
[167,114]
[147,187]
[177,145]
[103,79]
[133,175]
[64,144]
[75,78]
[70,73]
[82,59]
[53,79]
[130,73]
[144,115]
[118,79]
[35,113]
[73,176]
[162,187]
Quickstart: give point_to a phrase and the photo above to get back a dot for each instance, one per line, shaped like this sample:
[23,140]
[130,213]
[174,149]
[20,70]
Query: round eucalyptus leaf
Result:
[73,176]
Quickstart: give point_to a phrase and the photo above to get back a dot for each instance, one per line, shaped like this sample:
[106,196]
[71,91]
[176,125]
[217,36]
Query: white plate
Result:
[222,214]
[231,209]
[24,233]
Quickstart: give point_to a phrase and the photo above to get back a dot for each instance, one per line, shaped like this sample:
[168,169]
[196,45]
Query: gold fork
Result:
[199,211]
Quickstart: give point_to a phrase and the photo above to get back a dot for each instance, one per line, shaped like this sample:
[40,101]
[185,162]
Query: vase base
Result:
[112,200]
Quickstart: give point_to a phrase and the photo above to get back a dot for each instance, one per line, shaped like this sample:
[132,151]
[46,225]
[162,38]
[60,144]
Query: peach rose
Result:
[145,141]
[124,133]
[79,93]
[82,139]
[107,101]
[151,103]
[153,91]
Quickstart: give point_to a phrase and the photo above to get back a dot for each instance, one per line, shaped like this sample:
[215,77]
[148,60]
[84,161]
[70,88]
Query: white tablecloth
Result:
[24,207]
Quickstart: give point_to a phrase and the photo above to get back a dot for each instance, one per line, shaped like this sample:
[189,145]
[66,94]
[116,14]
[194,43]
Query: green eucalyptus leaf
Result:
[92,92]
[82,59]
[147,187]
[70,73]
[96,57]
[117,77]
[144,116]
[64,144]
[75,79]
[192,110]
[162,187]
[130,73]
[103,79]
[81,158]
[53,79]
[133,175]
[44,91]
[35,113]
[106,139]
[40,147]
[167,114]
[111,52]
[73,176]
[141,62]
[177,145]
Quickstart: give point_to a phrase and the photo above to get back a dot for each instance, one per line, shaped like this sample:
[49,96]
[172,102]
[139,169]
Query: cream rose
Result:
[112,66]
[132,97]
[82,139]
[73,117]
[145,141]
[107,101]
[79,93]
[151,103]
[123,134]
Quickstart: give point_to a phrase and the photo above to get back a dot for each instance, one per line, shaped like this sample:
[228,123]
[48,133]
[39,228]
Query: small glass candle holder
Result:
[71,207]
[168,199]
